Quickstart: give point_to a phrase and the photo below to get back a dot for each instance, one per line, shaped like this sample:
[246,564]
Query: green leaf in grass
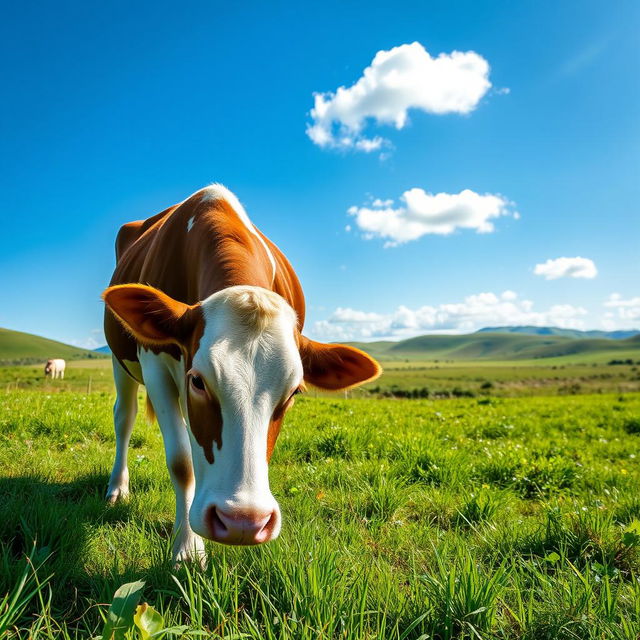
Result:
[121,611]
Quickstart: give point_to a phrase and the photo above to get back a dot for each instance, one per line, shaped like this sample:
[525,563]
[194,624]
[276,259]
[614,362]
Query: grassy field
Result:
[478,517]
[505,378]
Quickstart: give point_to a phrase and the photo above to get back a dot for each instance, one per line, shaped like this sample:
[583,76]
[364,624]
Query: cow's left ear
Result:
[336,366]
[151,316]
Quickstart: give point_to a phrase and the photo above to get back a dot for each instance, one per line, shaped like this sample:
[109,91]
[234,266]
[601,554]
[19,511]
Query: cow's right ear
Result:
[151,316]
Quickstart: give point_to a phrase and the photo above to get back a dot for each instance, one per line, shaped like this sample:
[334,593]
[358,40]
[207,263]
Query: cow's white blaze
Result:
[249,360]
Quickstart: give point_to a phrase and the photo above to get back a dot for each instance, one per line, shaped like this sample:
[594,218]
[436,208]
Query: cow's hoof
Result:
[190,552]
[117,494]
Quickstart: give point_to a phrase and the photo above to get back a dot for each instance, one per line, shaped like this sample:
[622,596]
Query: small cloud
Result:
[576,267]
[87,343]
[425,213]
[402,78]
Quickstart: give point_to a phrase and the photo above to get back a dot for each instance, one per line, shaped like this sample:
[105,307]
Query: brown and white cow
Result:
[214,334]
[55,368]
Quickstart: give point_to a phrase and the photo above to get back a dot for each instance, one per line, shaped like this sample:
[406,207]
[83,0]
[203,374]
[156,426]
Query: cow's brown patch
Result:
[275,425]
[182,470]
[205,421]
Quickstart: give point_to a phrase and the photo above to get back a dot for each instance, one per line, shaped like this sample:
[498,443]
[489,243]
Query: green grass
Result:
[400,377]
[473,517]
[22,348]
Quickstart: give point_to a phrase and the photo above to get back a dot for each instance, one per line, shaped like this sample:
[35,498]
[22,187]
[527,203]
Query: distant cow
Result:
[215,336]
[55,368]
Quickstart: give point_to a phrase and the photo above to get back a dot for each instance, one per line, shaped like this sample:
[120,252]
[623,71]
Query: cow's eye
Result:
[197,382]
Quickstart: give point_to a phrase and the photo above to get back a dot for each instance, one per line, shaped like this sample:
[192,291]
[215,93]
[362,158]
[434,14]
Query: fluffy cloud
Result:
[576,267]
[624,309]
[403,78]
[474,312]
[421,212]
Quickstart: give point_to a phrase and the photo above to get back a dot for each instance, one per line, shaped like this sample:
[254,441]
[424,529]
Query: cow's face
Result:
[244,362]
[47,367]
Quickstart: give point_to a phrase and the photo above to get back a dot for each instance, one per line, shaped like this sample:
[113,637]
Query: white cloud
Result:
[473,313]
[87,343]
[625,309]
[351,315]
[421,213]
[93,341]
[403,78]
[576,267]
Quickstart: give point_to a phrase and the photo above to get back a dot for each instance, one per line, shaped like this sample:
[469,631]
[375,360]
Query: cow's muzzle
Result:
[242,526]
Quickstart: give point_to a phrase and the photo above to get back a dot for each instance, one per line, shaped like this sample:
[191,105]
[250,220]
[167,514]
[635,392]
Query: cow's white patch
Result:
[220,192]
[190,223]
[249,359]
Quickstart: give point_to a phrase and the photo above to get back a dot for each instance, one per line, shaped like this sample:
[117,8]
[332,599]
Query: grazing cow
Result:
[55,368]
[214,334]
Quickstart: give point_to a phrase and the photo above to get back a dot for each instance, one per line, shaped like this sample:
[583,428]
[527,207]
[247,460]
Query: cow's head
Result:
[47,367]
[244,361]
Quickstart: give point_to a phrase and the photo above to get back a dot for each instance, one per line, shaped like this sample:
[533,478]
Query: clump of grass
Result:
[632,425]
[533,477]
[477,508]
[462,599]
[377,501]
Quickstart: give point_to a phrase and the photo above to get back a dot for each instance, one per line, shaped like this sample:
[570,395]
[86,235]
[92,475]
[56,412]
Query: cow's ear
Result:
[336,366]
[151,316]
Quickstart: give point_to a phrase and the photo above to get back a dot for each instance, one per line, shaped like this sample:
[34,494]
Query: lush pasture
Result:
[507,378]
[550,376]
[476,517]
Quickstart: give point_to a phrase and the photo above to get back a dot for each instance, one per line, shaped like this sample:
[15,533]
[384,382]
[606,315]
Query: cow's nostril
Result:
[216,525]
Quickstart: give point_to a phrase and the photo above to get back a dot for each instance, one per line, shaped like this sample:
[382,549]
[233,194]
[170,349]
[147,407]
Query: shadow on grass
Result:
[55,519]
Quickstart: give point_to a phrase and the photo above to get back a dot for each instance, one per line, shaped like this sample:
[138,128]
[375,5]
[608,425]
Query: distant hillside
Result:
[104,349]
[499,346]
[24,348]
[567,333]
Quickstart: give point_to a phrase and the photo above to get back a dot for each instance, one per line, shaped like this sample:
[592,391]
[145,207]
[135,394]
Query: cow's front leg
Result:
[124,415]
[165,400]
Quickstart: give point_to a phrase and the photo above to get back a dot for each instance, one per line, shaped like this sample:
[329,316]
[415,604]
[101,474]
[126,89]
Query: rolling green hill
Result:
[500,346]
[558,331]
[24,348]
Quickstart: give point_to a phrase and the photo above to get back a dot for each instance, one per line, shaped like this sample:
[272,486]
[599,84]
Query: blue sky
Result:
[113,111]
